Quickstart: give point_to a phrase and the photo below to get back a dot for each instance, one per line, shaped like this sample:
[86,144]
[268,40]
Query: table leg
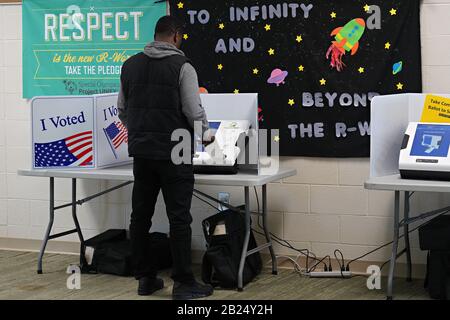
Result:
[394,246]
[77,224]
[246,240]
[50,225]
[406,233]
[266,230]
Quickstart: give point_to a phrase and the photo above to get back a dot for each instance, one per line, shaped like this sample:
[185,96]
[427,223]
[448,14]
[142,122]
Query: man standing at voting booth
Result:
[159,94]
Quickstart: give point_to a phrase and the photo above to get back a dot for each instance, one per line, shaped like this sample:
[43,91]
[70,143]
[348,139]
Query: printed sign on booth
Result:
[83,132]
[436,109]
[112,134]
[63,132]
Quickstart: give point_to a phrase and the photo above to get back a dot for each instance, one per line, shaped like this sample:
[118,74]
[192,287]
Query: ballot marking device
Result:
[221,156]
[425,152]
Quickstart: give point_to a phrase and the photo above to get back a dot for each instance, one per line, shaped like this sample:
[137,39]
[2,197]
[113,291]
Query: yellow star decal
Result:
[323,82]
[361,70]
[220,67]
[333,15]
[221,26]
[267,27]
[236,91]
[301,68]
[255,71]
[271,51]
[399,86]
[387,45]
[299,39]
[276,138]
[180,5]
[291,102]
[366,8]
[393,12]
[185,36]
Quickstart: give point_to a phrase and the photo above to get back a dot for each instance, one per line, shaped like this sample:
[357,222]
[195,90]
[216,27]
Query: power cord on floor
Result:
[341,262]
[282,242]
[301,252]
[309,255]
[313,268]
[297,267]
[305,252]
[391,242]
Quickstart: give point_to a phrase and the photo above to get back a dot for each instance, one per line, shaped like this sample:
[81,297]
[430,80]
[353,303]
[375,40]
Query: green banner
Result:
[77,47]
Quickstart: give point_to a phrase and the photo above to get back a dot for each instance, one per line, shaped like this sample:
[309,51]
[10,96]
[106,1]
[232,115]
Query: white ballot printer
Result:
[221,156]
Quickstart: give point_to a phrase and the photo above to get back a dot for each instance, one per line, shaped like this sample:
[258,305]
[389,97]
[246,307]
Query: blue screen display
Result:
[214,125]
[431,140]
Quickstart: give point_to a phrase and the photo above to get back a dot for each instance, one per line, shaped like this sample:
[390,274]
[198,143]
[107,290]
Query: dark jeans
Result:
[177,185]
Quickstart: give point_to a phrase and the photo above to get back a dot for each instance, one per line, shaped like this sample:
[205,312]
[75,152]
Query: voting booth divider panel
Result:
[77,132]
[243,106]
[390,116]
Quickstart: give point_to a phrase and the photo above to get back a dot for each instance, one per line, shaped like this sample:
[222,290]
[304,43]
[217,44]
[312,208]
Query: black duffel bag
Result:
[112,253]
[221,260]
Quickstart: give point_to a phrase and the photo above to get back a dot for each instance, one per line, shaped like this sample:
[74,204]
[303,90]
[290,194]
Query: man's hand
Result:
[209,141]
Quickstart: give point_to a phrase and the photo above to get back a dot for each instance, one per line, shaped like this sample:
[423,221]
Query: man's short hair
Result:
[168,26]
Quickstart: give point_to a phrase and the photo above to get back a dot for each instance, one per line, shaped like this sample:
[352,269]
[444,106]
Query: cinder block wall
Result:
[323,208]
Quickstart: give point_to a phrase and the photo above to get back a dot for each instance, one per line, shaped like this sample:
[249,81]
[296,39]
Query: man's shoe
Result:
[147,286]
[191,290]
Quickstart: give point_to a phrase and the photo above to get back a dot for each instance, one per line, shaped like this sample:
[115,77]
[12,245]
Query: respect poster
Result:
[316,65]
[77,47]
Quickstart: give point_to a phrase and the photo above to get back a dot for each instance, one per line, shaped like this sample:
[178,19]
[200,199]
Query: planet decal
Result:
[397,67]
[277,77]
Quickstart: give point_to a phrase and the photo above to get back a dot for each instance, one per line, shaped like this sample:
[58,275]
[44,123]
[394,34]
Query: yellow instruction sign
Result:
[436,109]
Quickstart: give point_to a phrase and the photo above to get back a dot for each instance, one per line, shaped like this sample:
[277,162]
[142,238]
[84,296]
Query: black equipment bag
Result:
[437,281]
[435,237]
[221,260]
[112,252]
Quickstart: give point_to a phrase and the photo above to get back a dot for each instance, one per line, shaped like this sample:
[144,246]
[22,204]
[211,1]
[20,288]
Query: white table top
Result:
[396,183]
[125,173]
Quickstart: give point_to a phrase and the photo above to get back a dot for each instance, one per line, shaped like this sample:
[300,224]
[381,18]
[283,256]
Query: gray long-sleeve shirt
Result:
[189,91]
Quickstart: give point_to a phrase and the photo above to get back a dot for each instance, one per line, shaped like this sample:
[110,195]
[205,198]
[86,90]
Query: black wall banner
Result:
[315,64]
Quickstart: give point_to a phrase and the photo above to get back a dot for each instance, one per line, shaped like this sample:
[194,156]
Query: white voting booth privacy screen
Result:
[77,131]
[242,106]
[390,116]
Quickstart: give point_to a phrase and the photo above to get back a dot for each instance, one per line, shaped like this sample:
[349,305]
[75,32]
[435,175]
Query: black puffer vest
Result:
[152,91]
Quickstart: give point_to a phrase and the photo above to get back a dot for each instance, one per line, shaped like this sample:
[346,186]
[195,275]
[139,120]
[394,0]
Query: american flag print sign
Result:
[73,151]
[117,134]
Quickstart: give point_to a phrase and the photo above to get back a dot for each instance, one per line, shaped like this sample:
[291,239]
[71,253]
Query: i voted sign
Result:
[112,134]
[78,131]
[63,134]
[62,121]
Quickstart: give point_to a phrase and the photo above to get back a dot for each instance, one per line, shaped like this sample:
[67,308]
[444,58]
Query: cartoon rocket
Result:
[346,39]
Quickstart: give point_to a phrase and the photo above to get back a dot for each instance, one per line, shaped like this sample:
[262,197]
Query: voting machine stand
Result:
[390,116]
